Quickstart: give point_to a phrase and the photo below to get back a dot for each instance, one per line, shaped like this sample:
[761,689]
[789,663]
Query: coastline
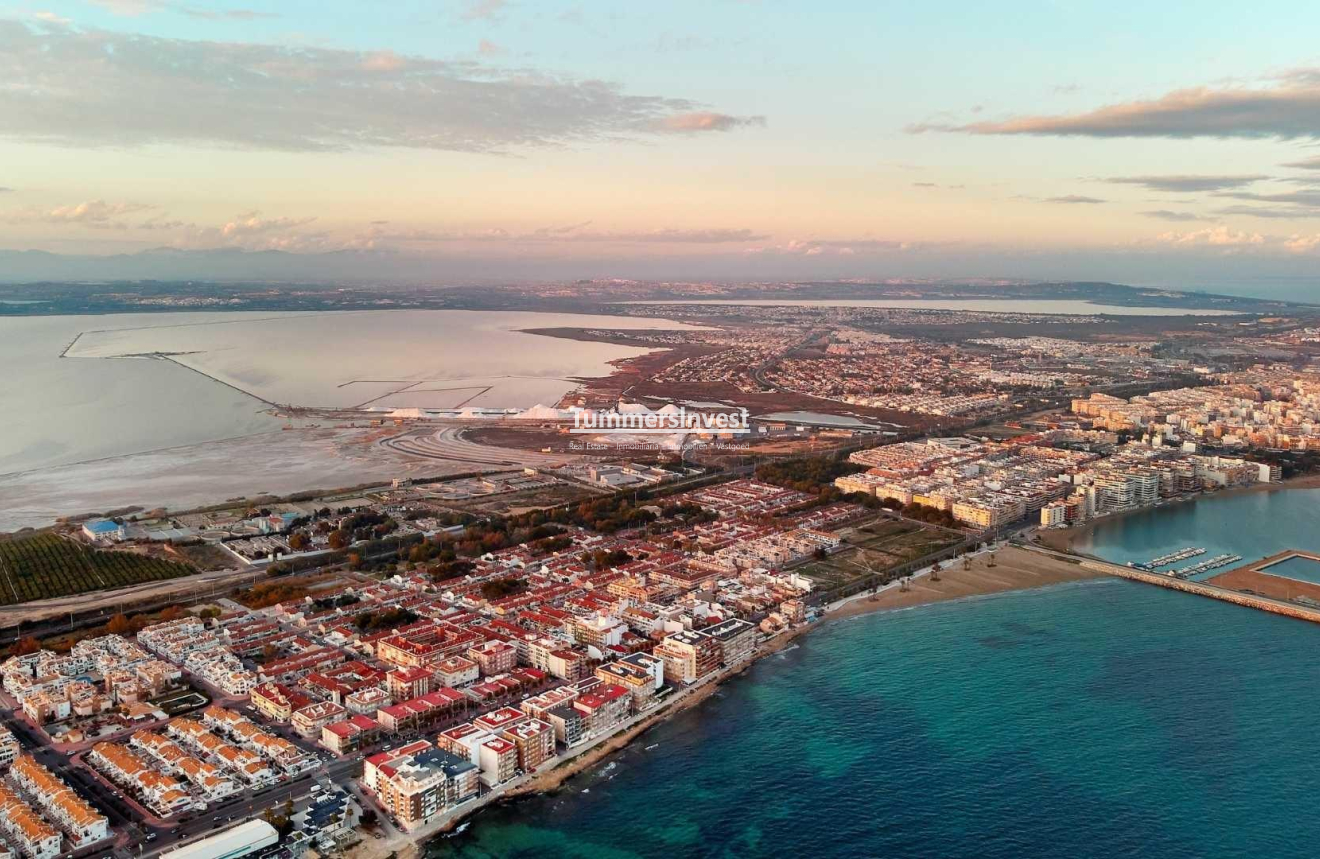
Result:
[1061,539]
[1014,569]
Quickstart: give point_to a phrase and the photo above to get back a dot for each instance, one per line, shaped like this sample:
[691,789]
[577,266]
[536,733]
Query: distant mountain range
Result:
[741,276]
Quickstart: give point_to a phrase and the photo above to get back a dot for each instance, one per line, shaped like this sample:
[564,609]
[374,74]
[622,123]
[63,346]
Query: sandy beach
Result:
[1014,570]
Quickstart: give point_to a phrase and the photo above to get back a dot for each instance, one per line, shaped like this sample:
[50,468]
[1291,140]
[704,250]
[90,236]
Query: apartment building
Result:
[737,639]
[417,788]
[456,671]
[494,657]
[405,683]
[534,740]
[83,823]
[9,747]
[308,721]
[638,681]
[688,656]
[22,825]
[157,791]
[569,723]
[497,759]
[605,708]
[351,734]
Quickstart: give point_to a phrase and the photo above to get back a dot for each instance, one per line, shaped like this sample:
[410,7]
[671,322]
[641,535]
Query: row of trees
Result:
[48,565]
[808,474]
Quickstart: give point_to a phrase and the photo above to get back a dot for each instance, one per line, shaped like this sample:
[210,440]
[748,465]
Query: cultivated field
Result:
[47,565]
[877,547]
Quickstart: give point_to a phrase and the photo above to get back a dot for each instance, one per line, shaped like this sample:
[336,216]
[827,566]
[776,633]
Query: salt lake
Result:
[113,395]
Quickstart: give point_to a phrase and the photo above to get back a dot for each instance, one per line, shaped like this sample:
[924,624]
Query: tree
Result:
[338,539]
[27,645]
[119,625]
[500,588]
[298,542]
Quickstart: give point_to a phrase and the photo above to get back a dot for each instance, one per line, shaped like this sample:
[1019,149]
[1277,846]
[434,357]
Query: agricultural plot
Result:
[875,548]
[47,565]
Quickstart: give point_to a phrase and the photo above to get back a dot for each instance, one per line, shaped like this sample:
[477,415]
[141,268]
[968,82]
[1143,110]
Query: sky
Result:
[1175,143]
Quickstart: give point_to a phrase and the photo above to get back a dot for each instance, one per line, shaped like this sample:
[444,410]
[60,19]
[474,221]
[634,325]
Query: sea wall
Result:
[1202,589]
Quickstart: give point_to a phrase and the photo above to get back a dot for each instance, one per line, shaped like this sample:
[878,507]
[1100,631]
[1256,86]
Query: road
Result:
[246,806]
[53,616]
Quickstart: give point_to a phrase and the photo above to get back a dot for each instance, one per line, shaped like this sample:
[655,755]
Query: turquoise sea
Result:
[1251,524]
[1103,719]
[1095,719]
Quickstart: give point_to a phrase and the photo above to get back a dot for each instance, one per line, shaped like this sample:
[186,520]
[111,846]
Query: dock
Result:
[1163,580]
[1172,557]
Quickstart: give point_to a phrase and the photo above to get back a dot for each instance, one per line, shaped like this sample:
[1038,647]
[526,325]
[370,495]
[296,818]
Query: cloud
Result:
[136,8]
[4,190]
[683,123]
[1281,213]
[1288,110]
[1186,184]
[834,247]
[1305,163]
[672,43]
[571,233]
[1297,198]
[382,61]
[924,185]
[86,88]
[1073,198]
[1167,215]
[52,18]
[157,224]
[250,231]
[1302,244]
[221,14]
[483,10]
[96,214]
[127,8]
[1273,212]
[487,48]
[251,224]
[699,237]
[1222,237]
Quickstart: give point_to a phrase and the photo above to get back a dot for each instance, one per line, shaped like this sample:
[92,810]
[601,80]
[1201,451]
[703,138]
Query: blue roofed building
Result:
[104,529]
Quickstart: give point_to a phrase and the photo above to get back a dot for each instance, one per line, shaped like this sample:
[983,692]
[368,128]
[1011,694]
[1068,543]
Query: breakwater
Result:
[1261,603]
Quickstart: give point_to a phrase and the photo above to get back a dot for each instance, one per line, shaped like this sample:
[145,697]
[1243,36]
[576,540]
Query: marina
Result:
[1153,565]
[1204,566]
[1175,557]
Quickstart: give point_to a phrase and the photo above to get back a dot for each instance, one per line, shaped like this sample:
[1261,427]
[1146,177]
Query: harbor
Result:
[1300,600]
[1172,557]
[1204,566]
[1190,570]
